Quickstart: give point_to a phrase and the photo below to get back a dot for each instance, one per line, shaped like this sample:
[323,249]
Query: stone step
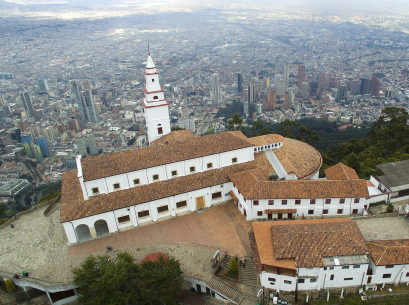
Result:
[225,289]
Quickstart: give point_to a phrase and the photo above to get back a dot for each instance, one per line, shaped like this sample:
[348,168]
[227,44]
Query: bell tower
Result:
[156,108]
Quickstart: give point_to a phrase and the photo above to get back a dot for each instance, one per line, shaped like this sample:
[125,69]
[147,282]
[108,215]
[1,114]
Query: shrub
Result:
[10,287]
[234,269]
[273,177]
[389,208]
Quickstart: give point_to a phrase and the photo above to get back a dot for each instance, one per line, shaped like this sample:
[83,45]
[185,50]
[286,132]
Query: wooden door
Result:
[270,216]
[200,203]
[280,216]
[290,215]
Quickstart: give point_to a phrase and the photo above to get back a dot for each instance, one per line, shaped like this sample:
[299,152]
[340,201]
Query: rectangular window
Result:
[345,267]
[255,202]
[301,281]
[339,211]
[117,186]
[174,173]
[123,219]
[354,211]
[192,169]
[407,274]
[216,195]
[313,280]
[331,277]
[284,202]
[331,268]
[143,214]
[389,266]
[387,276]
[209,165]
[271,202]
[287,282]
[324,212]
[271,279]
[356,266]
[181,204]
[342,200]
[259,213]
[136,181]
[356,200]
[327,201]
[155,177]
[163,209]
[312,201]
[234,160]
[310,212]
[160,130]
[297,201]
[95,191]
[348,279]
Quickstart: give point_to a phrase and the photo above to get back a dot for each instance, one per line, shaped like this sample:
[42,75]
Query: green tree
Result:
[106,280]
[120,281]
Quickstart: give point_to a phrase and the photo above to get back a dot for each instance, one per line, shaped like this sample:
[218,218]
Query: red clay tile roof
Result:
[389,252]
[340,172]
[303,243]
[73,205]
[266,139]
[153,257]
[132,160]
[254,184]
[299,158]
[263,164]
[178,135]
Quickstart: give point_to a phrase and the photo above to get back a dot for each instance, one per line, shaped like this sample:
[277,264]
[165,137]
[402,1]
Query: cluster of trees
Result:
[387,141]
[104,280]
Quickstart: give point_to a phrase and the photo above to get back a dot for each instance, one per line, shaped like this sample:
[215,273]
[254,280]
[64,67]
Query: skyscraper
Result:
[43,84]
[300,76]
[85,101]
[28,107]
[42,143]
[215,88]
[286,76]
[239,83]
[375,86]
[251,94]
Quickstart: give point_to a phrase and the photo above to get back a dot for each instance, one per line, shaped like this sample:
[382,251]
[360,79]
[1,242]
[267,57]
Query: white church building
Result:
[181,173]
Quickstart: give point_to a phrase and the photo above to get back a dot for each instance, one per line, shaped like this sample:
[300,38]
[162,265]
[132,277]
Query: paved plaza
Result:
[381,228]
[37,243]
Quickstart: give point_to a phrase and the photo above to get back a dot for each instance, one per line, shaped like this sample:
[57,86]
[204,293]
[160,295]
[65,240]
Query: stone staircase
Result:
[225,289]
[248,275]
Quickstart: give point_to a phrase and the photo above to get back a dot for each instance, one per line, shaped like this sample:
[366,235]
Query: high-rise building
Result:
[251,94]
[44,88]
[86,144]
[375,86]
[38,155]
[286,105]
[86,105]
[239,83]
[300,76]
[365,86]
[27,141]
[28,107]
[215,88]
[271,100]
[42,143]
[286,76]
[342,92]
[305,90]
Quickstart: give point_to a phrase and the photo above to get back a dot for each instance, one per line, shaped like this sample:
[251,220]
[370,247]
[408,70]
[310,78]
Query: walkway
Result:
[275,163]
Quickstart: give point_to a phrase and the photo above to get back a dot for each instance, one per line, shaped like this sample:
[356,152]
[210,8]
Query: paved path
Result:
[380,228]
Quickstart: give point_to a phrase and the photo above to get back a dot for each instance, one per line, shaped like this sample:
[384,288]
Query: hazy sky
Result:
[332,7]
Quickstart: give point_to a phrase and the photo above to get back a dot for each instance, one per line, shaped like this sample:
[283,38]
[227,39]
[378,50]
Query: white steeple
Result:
[155,106]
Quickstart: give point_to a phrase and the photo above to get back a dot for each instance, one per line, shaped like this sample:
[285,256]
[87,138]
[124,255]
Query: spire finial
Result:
[149,53]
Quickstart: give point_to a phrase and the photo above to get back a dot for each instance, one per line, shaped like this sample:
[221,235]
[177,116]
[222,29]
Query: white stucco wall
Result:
[398,274]
[282,282]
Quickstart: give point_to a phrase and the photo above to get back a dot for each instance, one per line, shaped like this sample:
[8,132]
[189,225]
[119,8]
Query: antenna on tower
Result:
[149,53]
